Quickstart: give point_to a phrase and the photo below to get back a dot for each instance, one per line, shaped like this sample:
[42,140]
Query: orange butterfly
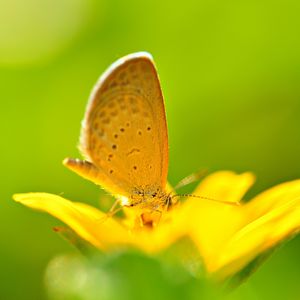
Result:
[124,135]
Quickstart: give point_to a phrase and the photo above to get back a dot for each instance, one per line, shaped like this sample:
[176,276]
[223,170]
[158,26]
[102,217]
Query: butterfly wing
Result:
[124,132]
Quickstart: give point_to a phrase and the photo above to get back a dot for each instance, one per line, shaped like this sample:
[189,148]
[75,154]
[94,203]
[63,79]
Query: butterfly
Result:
[124,137]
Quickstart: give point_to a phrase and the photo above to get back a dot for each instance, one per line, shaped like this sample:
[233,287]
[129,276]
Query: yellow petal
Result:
[213,223]
[93,225]
[88,222]
[225,186]
[273,197]
[276,219]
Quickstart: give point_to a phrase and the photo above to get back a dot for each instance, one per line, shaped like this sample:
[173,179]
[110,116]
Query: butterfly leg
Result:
[168,203]
[113,210]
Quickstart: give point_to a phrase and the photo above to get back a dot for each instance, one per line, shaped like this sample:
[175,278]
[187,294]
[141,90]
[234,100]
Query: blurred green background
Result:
[230,75]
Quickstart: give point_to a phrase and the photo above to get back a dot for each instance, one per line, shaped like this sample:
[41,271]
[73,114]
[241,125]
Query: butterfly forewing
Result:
[124,131]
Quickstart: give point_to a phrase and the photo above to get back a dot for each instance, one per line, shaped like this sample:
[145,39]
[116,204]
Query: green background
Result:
[230,75]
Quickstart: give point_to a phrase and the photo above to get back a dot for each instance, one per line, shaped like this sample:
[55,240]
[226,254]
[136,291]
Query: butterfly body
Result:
[124,134]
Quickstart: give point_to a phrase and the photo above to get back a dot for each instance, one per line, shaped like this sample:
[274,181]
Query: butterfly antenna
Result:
[190,179]
[208,198]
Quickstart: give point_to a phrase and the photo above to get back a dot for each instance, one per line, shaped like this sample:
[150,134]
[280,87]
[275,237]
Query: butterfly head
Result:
[149,199]
[150,204]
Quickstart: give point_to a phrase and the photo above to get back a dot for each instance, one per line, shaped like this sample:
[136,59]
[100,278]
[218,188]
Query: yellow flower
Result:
[227,237]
